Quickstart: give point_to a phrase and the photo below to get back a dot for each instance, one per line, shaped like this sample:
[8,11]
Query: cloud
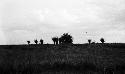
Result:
[26,18]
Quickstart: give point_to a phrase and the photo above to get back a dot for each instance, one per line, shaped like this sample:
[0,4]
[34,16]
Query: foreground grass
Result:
[61,59]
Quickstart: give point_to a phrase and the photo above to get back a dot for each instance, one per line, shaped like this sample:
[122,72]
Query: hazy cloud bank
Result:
[23,20]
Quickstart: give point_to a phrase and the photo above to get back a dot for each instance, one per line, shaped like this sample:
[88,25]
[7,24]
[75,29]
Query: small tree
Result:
[36,41]
[60,40]
[28,42]
[41,41]
[102,40]
[55,40]
[89,40]
[66,38]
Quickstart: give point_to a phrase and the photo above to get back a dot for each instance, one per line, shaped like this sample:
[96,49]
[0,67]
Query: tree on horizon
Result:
[60,40]
[66,38]
[102,40]
[41,41]
[36,41]
[28,42]
[89,40]
[55,40]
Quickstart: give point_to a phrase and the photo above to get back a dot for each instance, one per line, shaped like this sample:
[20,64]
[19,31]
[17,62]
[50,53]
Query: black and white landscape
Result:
[62,37]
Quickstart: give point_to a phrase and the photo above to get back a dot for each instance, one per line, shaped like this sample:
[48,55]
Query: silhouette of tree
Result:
[55,40]
[28,42]
[66,38]
[36,41]
[102,40]
[60,40]
[41,41]
[89,40]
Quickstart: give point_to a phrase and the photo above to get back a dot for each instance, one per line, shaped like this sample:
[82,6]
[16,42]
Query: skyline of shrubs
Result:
[64,39]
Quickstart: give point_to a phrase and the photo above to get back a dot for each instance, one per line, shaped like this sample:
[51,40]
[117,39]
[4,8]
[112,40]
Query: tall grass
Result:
[60,59]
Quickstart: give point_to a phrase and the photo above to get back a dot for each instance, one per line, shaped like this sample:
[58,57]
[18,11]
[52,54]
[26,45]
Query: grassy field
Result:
[62,59]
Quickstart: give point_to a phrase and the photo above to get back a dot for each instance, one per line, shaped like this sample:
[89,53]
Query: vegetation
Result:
[82,59]
[36,41]
[55,40]
[89,40]
[66,38]
[41,41]
[60,40]
[28,42]
[102,40]
[63,57]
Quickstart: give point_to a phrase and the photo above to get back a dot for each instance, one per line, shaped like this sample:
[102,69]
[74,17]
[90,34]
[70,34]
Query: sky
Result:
[22,20]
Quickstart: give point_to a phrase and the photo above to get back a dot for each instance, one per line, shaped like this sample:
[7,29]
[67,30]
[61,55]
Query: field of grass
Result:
[62,59]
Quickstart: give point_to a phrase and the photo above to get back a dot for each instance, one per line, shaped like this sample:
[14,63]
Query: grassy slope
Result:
[97,54]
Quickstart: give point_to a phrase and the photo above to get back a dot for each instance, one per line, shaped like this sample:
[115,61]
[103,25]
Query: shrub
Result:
[66,38]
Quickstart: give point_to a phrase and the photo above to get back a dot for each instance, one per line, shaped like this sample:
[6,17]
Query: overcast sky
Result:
[22,20]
